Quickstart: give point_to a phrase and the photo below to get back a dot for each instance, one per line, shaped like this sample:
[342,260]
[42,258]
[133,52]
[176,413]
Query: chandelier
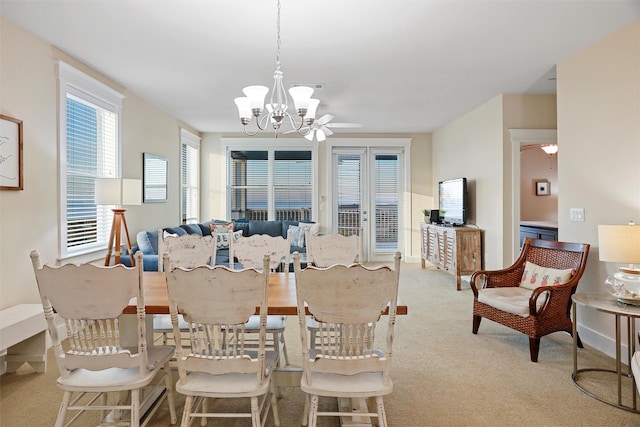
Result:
[252,104]
[549,148]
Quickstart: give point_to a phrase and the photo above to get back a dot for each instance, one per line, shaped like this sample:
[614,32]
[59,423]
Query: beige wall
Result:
[536,165]
[478,145]
[29,218]
[599,139]
[471,146]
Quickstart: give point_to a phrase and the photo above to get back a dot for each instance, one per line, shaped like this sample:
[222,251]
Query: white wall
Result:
[29,218]
[599,138]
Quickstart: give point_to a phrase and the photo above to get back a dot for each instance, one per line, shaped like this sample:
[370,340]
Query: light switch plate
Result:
[576,214]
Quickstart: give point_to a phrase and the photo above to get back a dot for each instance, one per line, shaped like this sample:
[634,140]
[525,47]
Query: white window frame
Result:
[271,145]
[75,82]
[193,141]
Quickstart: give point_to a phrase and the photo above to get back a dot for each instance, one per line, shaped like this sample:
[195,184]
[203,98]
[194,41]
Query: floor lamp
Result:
[118,192]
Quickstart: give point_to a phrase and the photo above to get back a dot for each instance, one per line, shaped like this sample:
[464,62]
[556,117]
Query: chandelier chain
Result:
[278,40]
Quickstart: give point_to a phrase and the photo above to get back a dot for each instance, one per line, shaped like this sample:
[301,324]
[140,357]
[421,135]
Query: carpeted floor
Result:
[443,374]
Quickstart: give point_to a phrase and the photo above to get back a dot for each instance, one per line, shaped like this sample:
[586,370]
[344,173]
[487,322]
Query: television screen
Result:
[452,195]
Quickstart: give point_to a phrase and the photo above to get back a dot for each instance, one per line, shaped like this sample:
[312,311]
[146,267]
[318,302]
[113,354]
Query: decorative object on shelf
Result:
[10,153]
[621,244]
[549,148]
[155,170]
[542,188]
[427,214]
[253,102]
[118,192]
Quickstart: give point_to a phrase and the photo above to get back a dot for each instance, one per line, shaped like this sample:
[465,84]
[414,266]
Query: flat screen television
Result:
[453,201]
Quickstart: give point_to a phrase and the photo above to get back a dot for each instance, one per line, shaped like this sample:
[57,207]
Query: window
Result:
[189,177]
[270,184]
[89,149]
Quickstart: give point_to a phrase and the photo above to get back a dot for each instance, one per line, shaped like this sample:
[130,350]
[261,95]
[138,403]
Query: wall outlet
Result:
[576,214]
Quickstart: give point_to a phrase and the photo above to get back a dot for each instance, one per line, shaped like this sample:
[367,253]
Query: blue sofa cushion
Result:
[174,230]
[145,244]
[242,226]
[272,228]
[205,228]
[192,229]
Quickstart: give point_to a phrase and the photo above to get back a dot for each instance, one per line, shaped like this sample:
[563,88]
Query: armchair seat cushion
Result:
[513,300]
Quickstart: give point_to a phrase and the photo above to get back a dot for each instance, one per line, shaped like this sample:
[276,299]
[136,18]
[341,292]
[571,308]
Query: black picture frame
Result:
[11,153]
[155,178]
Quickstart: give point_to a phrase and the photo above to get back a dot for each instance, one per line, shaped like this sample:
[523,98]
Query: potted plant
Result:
[426,213]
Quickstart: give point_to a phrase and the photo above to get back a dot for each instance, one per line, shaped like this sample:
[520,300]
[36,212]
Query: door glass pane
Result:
[386,199]
[349,193]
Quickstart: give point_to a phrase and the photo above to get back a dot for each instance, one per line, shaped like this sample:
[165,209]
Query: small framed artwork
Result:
[154,177]
[10,153]
[542,188]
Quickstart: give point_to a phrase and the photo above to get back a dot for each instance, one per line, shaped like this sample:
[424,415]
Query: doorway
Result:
[519,139]
[368,188]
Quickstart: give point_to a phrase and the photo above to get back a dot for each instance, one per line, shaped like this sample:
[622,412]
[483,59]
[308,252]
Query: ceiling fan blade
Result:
[326,130]
[320,135]
[344,125]
[309,136]
[325,119]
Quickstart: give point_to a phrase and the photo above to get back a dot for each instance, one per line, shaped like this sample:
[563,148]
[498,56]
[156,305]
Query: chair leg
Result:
[476,323]
[579,340]
[186,413]
[274,405]
[313,410]
[62,412]
[305,411]
[255,412]
[168,383]
[205,409]
[534,347]
[135,407]
[382,415]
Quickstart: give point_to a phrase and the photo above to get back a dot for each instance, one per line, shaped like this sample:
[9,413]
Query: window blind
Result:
[189,180]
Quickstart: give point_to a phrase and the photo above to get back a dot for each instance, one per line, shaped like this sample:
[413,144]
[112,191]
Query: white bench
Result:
[23,335]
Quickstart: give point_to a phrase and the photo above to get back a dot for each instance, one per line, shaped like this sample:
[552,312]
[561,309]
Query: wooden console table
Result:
[453,249]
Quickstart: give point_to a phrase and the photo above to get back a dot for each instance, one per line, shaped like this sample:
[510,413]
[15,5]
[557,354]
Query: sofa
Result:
[147,241]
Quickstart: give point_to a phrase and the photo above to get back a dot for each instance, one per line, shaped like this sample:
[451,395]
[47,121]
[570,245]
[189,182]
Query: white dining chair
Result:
[325,250]
[90,299]
[347,302]
[249,251]
[188,251]
[216,302]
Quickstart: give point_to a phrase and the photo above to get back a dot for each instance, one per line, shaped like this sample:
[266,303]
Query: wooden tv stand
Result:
[453,249]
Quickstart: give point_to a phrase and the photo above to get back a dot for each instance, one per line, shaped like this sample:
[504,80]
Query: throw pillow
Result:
[297,235]
[313,228]
[166,234]
[222,240]
[535,276]
[223,230]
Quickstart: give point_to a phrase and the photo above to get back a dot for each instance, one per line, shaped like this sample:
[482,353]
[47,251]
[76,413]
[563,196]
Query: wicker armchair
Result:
[534,312]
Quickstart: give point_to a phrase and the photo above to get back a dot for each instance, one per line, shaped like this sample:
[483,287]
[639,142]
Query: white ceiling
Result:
[396,66]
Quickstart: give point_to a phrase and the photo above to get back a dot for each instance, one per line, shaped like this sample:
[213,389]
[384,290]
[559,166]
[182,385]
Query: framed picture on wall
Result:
[154,176]
[542,188]
[10,153]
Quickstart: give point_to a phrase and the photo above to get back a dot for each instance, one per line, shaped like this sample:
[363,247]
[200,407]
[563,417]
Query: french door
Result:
[367,198]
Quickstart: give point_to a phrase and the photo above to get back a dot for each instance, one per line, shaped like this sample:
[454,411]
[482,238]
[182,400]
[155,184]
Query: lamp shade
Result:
[118,191]
[619,243]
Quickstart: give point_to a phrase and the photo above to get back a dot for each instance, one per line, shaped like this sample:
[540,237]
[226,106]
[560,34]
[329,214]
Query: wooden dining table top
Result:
[281,295]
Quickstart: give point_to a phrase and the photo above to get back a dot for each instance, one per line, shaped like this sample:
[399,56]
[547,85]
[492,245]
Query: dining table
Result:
[281,300]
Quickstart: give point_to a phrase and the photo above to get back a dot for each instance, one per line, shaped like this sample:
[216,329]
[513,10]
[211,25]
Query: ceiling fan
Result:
[320,129]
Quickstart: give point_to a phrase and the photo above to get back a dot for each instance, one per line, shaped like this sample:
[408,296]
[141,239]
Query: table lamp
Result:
[118,192]
[621,244]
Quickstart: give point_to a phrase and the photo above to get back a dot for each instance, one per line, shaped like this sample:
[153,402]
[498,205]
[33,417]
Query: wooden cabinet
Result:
[453,249]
